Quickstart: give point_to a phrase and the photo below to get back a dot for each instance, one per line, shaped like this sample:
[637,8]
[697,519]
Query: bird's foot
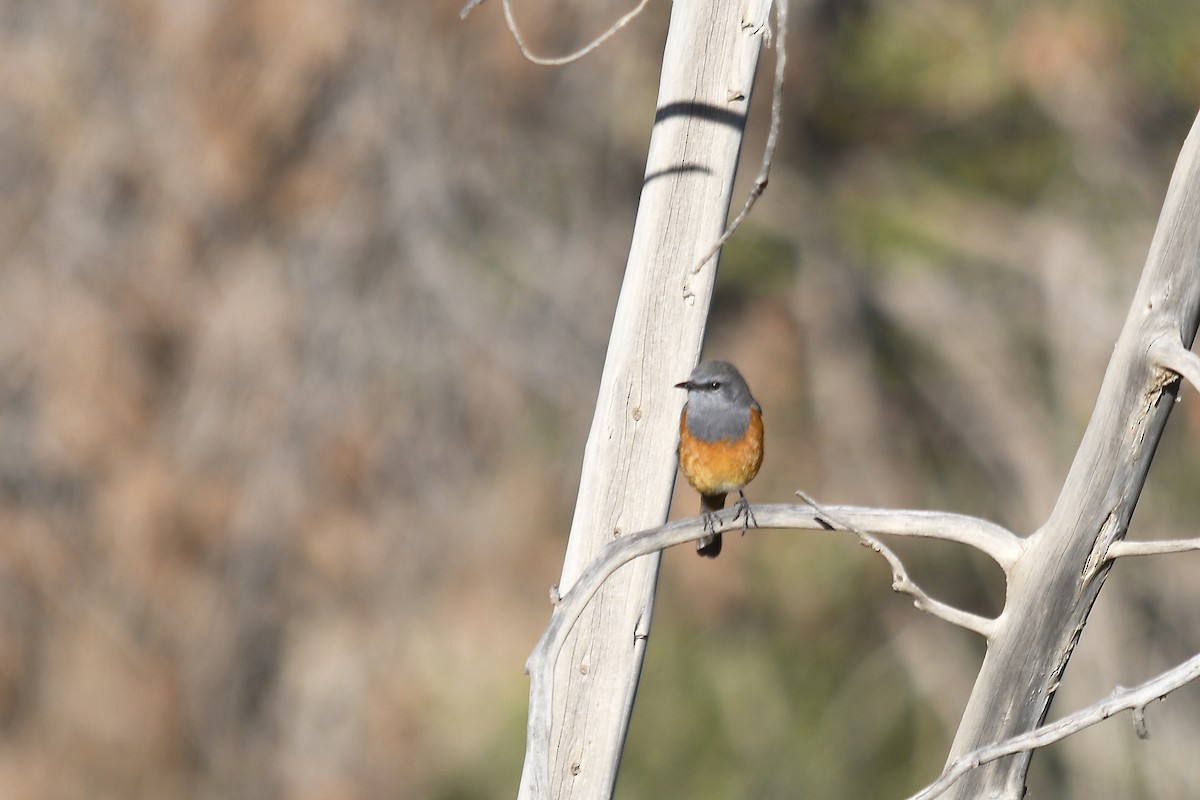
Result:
[742,511]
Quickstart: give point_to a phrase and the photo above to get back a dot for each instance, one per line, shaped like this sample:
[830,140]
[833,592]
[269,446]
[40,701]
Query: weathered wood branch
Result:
[1125,548]
[629,466]
[558,61]
[996,542]
[768,155]
[1134,700]
[1056,580]
[1169,353]
[901,582]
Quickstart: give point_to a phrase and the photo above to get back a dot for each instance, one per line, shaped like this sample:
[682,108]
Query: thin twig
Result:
[469,7]
[1126,548]
[1135,699]
[901,582]
[768,157]
[511,21]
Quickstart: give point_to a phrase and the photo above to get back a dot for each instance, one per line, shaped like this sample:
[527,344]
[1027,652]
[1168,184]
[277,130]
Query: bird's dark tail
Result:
[710,546]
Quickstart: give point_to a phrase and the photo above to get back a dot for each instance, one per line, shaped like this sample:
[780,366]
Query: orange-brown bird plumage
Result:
[720,441]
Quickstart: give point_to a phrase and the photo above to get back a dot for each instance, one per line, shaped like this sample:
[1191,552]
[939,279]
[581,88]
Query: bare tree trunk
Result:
[629,465]
[1055,582]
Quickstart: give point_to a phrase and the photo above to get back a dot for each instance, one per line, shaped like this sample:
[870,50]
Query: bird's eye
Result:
[715,385]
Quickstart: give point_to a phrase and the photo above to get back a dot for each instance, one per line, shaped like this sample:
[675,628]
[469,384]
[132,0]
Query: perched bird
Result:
[720,443]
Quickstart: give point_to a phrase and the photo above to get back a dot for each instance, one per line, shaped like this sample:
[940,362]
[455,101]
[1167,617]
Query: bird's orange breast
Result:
[722,465]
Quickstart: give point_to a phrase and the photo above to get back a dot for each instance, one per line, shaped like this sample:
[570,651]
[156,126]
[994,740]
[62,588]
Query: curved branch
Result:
[567,608]
[994,541]
[901,582]
[1135,700]
[921,599]
[998,543]
[558,61]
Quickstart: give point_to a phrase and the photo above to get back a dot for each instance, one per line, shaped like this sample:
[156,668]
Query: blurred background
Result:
[303,307]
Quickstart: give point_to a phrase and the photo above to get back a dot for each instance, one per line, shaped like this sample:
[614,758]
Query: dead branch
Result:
[768,156]
[1134,700]
[994,541]
[1169,353]
[902,583]
[511,20]
[1126,548]
[1065,563]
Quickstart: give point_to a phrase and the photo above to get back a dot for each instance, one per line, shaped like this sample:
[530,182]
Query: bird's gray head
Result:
[718,380]
[719,401]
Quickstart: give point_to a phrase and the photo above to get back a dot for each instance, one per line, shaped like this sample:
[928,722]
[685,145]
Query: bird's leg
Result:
[710,520]
[741,510]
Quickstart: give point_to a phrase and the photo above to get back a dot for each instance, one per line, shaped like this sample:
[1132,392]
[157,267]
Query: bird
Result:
[720,443]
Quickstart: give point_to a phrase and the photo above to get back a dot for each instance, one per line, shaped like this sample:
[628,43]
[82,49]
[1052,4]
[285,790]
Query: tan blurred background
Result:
[303,305]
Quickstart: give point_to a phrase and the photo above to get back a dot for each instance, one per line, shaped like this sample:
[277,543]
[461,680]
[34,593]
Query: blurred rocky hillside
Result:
[303,306]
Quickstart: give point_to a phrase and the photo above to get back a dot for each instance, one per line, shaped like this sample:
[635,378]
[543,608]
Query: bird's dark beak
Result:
[684,385]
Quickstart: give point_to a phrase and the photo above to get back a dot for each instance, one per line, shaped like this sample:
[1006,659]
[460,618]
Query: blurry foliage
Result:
[302,314]
[759,265]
